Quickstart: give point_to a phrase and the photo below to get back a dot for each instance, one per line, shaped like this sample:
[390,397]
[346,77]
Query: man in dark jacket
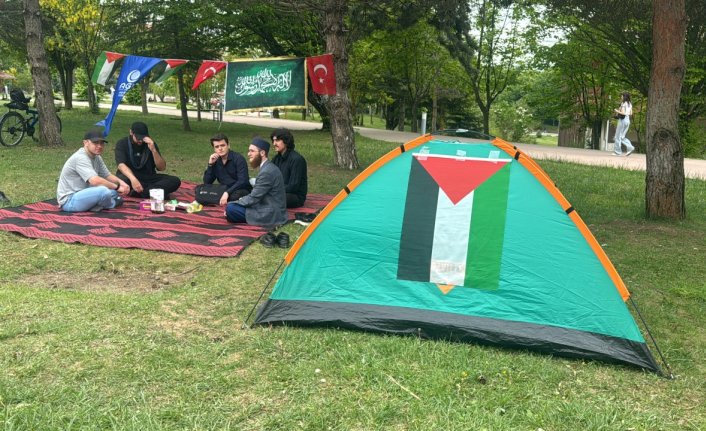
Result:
[228,168]
[266,204]
[138,159]
[292,165]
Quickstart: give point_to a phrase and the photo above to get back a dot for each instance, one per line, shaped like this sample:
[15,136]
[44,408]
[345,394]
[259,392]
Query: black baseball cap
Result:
[139,129]
[94,136]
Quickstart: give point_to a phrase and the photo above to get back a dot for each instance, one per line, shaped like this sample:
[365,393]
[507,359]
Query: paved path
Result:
[693,168]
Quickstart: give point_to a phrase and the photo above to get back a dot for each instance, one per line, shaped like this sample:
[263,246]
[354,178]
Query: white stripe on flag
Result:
[451,232]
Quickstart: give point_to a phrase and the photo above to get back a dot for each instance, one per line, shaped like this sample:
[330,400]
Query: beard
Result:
[256,160]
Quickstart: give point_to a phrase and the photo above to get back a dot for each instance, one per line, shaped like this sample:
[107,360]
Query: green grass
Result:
[101,338]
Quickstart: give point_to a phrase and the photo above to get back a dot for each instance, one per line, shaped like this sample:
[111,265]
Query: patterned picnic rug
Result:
[206,233]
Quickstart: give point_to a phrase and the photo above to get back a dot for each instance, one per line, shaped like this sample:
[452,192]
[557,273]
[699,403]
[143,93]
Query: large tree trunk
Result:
[664,183]
[48,124]
[339,105]
[144,87]
[183,101]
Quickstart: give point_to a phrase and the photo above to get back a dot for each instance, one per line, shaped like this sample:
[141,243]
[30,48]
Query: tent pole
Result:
[654,342]
[264,289]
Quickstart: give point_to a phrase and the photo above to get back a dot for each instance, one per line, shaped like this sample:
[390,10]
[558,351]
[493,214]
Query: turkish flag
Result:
[322,74]
[208,70]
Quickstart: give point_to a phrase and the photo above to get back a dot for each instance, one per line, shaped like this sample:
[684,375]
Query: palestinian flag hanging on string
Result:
[106,65]
[454,221]
[167,69]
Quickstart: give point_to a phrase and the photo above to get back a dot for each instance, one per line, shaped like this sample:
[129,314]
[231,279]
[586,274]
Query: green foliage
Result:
[514,121]
[81,87]
[133,96]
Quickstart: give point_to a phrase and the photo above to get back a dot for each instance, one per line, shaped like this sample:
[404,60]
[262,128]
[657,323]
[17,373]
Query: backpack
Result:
[18,96]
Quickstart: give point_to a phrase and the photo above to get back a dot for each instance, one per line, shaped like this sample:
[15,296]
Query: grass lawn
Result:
[102,338]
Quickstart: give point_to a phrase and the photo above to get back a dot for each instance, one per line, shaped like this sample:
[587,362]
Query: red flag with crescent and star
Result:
[322,74]
[208,70]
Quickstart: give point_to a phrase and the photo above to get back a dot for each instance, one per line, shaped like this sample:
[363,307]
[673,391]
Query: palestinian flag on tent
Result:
[459,241]
[455,215]
[166,69]
[106,64]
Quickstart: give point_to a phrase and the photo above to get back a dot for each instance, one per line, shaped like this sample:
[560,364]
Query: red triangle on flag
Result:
[458,176]
[112,56]
[174,63]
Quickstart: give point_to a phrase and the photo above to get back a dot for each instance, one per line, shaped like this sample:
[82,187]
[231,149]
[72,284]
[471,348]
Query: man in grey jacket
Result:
[266,205]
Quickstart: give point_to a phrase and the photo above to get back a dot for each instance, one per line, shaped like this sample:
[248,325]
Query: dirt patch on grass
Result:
[117,281]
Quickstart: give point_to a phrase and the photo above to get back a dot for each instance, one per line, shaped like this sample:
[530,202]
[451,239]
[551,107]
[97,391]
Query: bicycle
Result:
[14,126]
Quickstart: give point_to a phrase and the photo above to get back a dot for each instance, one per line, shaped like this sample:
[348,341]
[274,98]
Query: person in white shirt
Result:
[623,114]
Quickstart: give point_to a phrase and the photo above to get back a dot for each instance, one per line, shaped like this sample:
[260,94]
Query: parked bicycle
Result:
[13,125]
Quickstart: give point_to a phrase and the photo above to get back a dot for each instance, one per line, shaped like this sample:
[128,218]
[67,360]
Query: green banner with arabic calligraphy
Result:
[271,83]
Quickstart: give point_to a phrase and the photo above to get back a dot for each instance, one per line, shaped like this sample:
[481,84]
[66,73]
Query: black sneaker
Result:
[283,240]
[268,240]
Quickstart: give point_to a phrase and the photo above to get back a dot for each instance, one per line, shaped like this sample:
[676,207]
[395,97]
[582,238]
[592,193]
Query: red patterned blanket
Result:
[206,233]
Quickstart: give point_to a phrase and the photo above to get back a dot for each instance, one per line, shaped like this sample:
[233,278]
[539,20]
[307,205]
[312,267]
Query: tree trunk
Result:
[339,105]
[664,183]
[596,128]
[144,86]
[183,101]
[401,115]
[90,89]
[48,124]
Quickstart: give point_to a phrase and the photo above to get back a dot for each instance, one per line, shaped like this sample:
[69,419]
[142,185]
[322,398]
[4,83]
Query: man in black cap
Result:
[138,159]
[292,165]
[266,205]
[85,183]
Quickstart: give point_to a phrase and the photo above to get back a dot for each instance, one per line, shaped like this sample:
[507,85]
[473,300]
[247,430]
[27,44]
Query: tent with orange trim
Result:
[469,242]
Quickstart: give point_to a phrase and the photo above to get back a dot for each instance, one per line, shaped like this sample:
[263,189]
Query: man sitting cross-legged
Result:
[266,205]
[85,182]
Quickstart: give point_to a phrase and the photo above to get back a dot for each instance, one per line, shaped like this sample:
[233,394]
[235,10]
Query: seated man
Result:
[138,158]
[85,182]
[292,165]
[266,204]
[229,168]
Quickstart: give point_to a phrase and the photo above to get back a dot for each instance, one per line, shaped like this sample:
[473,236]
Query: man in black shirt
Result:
[138,159]
[229,168]
[292,165]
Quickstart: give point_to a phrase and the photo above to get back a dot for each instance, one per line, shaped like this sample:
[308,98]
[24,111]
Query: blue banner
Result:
[134,69]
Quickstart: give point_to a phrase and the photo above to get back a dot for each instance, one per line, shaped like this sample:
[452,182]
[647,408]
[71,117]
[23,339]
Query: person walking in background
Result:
[623,114]
[228,168]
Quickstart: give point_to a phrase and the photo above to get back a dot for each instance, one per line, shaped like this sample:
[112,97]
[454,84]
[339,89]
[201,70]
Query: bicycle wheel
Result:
[12,129]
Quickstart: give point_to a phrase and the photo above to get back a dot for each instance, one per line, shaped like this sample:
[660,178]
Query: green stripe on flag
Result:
[485,245]
[417,236]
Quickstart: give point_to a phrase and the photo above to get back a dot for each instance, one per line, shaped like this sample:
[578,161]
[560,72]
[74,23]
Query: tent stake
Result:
[654,342]
[264,289]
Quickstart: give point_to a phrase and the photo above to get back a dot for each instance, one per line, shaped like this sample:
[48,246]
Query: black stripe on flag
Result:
[418,225]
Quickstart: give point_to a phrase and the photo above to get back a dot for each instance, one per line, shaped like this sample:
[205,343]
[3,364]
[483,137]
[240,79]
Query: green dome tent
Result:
[461,241]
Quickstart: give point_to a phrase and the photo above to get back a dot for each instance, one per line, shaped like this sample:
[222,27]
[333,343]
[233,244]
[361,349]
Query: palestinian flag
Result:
[169,68]
[454,221]
[106,64]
